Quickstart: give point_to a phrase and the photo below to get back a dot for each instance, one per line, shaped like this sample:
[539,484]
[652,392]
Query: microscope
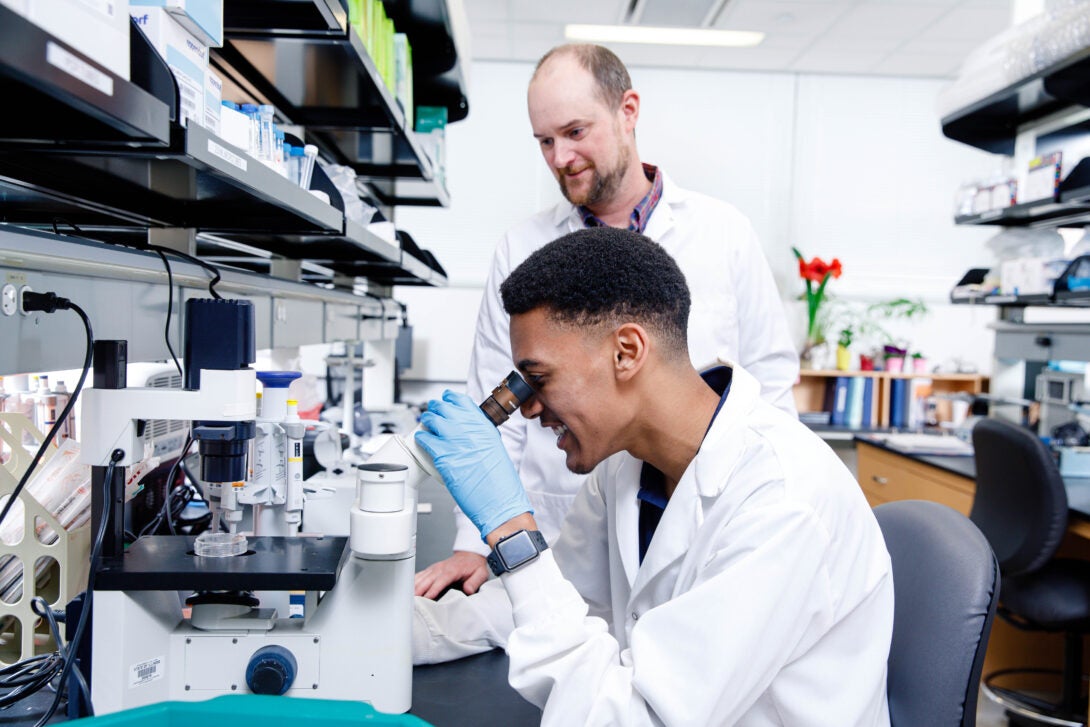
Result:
[353,638]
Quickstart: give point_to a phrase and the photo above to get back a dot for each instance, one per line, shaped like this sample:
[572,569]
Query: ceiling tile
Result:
[782,16]
[890,21]
[748,59]
[863,62]
[917,64]
[969,25]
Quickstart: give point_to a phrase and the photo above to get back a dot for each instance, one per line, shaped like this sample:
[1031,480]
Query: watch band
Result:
[516,550]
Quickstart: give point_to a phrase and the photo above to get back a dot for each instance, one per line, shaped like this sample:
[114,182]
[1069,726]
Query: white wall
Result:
[840,166]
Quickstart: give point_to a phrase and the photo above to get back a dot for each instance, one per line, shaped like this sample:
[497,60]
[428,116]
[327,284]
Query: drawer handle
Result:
[879,479]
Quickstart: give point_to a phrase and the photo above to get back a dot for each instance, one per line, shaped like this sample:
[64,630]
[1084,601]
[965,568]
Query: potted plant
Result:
[843,349]
[816,274]
[894,357]
[919,363]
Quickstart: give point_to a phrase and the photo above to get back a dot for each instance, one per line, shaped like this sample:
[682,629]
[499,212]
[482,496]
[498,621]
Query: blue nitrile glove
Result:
[468,452]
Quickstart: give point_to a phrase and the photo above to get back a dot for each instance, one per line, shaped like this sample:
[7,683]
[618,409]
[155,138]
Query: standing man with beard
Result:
[583,112]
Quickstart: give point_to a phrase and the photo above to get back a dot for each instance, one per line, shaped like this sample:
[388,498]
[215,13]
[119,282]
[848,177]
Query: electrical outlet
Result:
[9,300]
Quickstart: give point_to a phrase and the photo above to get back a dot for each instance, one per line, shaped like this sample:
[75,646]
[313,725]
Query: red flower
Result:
[817,269]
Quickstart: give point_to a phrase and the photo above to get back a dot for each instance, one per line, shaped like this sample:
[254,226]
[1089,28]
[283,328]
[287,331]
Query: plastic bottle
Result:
[278,151]
[295,164]
[265,132]
[45,406]
[254,145]
[306,169]
[67,429]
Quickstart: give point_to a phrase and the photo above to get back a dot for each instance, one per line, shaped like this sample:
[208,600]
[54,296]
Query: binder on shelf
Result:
[840,402]
[897,389]
[867,419]
[856,391]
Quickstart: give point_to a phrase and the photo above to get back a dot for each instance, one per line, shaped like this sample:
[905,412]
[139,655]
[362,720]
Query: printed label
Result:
[226,155]
[78,68]
[144,672]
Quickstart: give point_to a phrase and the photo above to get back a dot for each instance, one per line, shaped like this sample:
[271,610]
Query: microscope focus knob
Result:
[271,670]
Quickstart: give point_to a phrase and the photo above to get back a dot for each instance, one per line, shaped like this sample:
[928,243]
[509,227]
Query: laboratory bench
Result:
[464,693]
[887,473]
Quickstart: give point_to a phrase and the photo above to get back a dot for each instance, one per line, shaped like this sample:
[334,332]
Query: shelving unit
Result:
[992,123]
[811,394]
[351,116]
[113,166]
[57,96]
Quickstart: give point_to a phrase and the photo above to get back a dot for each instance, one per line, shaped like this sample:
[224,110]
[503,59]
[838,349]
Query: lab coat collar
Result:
[567,219]
[703,481]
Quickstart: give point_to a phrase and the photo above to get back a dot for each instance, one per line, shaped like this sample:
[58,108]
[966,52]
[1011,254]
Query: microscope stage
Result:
[167,563]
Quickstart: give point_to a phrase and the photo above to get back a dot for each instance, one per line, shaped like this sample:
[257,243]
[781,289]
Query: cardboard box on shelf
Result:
[186,56]
[202,18]
[99,29]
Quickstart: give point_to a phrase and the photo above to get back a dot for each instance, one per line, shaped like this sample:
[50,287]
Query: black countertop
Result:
[1078,488]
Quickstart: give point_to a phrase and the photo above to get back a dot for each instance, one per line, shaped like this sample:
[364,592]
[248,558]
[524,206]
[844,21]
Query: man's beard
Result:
[602,186]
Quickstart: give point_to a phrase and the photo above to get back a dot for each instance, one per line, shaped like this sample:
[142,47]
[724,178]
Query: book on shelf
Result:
[840,402]
[856,389]
[868,403]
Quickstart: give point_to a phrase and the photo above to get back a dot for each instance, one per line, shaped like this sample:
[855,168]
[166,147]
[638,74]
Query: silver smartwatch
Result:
[516,550]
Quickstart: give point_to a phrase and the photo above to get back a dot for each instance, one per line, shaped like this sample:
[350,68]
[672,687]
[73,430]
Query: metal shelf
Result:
[351,115]
[992,123]
[199,182]
[284,17]
[54,94]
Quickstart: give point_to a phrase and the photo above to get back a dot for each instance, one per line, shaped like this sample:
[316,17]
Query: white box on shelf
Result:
[99,29]
[213,96]
[235,128]
[186,56]
[202,18]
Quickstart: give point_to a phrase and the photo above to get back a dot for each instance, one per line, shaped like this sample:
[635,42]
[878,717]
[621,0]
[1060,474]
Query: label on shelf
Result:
[78,68]
[226,155]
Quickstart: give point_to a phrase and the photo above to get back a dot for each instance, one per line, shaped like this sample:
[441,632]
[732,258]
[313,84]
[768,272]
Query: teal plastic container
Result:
[254,710]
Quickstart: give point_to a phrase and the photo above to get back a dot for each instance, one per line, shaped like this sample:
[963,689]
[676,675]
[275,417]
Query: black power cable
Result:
[170,309]
[96,556]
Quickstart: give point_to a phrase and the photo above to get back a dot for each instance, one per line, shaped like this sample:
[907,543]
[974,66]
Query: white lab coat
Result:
[766,597]
[736,315]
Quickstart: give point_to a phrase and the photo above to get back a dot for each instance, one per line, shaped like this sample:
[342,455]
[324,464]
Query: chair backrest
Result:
[1020,503]
[945,585]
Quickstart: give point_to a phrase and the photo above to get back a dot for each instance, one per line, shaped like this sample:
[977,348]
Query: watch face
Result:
[517,550]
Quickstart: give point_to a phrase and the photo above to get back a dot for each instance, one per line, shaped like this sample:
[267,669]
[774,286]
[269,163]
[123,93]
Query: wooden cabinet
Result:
[886,477]
[812,392]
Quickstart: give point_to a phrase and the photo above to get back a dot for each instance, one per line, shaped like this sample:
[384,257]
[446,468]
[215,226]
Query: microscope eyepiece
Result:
[512,393]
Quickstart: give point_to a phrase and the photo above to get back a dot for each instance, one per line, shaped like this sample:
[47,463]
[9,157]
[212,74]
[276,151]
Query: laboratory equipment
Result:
[1056,391]
[353,641]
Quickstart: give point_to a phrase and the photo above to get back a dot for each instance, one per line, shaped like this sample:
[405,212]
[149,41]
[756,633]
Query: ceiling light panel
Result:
[661,35]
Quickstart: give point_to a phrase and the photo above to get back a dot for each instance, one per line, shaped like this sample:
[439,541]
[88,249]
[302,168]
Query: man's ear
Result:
[630,109]
[630,349]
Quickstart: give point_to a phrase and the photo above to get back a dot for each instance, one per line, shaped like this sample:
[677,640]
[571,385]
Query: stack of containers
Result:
[390,51]
[182,31]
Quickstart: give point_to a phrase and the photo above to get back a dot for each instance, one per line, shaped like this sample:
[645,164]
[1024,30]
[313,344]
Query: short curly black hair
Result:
[604,275]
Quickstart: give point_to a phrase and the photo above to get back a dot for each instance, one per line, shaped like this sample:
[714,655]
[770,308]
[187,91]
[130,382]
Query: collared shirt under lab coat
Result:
[736,315]
[766,597]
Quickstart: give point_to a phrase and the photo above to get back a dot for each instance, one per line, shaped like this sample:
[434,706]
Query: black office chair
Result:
[1021,507]
[945,586]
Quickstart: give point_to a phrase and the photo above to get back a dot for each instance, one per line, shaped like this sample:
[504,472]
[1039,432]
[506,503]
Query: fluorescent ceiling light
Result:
[662,36]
